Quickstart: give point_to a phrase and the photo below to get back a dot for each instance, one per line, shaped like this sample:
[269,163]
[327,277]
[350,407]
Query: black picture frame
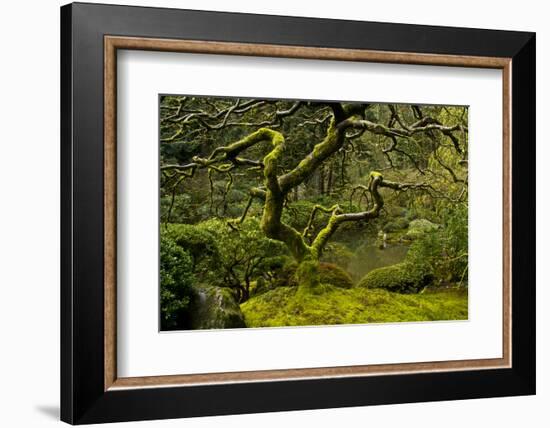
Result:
[83,396]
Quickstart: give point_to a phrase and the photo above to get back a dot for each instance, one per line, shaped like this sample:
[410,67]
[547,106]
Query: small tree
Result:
[245,253]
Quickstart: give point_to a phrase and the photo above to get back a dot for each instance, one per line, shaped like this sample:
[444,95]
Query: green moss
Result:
[287,307]
[418,228]
[403,277]
[307,274]
[334,275]
[311,274]
[285,276]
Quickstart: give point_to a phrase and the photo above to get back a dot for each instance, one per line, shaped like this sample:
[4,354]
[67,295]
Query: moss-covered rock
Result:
[396,224]
[338,253]
[419,227]
[290,306]
[311,273]
[332,274]
[285,276]
[401,278]
[307,274]
[215,307]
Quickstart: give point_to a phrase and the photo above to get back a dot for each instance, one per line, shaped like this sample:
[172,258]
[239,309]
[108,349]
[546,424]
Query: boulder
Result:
[419,227]
[215,308]
[396,225]
[400,278]
[332,274]
[323,273]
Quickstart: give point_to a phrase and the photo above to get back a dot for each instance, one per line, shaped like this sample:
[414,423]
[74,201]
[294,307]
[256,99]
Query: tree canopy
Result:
[277,150]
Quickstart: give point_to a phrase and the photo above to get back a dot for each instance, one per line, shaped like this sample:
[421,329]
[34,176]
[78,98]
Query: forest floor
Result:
[291,306]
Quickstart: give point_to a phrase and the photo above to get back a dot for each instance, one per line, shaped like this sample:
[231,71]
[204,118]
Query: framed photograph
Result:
[265,213]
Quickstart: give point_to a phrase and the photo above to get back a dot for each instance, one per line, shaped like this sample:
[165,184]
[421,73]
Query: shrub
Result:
[399,223]
[245,253]
[445,250]
[199,243]
[417,228]
[176,280]
[427,249]
[196,240]
[456,232]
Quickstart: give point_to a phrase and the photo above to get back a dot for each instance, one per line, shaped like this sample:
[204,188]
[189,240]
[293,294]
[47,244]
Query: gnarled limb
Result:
[347,122]
[314,211]
[337,217]
[332,142]
[271,222]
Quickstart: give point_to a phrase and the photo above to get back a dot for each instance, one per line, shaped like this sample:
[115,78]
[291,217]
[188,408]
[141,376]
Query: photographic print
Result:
[280,213]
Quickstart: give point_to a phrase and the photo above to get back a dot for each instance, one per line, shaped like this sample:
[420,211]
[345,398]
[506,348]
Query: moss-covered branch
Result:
[271,222]
[337,217]
[347,121]
[332,142]
[314,211]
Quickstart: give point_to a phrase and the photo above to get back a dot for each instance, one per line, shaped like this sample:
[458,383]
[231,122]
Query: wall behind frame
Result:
[29,220]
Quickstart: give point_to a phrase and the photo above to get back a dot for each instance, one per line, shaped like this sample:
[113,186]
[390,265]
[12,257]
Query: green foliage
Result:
[199,243]
[427,250]
[422,262]
[456,236]
[176,274]
[205,249]
[180,208]
[245,253]
[445,250]
[419,227]
[396,224]
[286,306]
